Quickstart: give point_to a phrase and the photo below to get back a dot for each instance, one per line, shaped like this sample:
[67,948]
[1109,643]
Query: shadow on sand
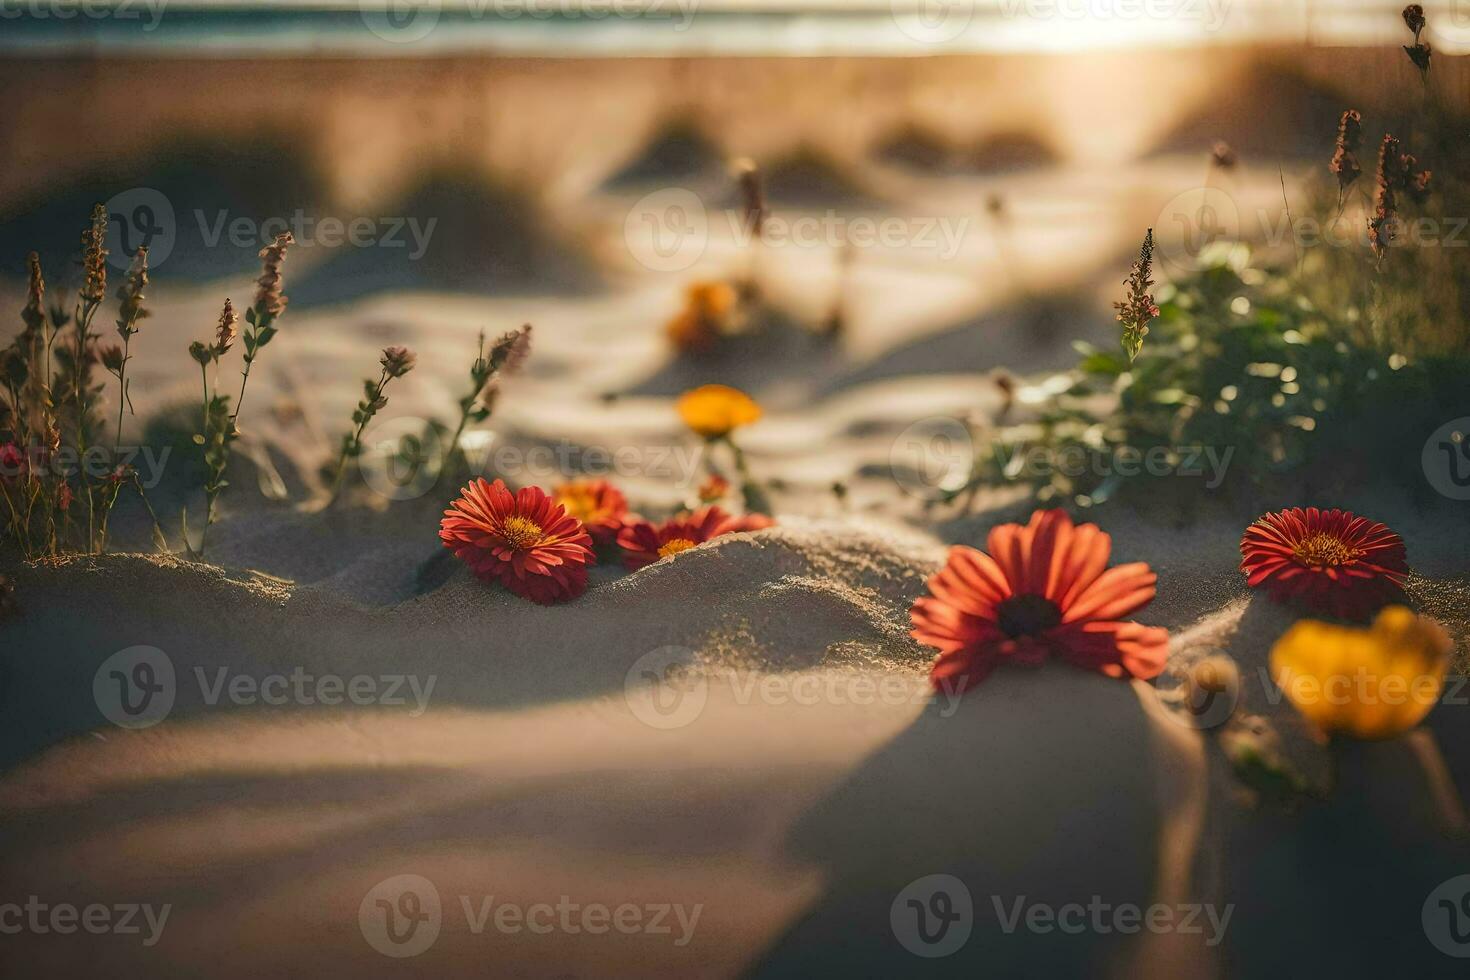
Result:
[1000,793]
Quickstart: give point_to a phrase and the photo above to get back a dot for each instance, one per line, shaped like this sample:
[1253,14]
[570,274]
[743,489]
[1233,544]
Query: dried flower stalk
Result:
[1138,308]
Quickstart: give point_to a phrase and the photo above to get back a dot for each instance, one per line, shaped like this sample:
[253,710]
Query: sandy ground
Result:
[794,776]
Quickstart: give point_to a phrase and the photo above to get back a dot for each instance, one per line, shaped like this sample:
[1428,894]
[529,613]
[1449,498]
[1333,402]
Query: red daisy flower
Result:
[600,506]
[745,522]
[1044,590]
[526,542]
[12,462]
[1332,561]
[644,544]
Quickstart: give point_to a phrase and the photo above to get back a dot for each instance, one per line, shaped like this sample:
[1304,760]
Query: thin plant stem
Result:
[122,394]
[240,400]
[162,539]
[84,328]
[347,445]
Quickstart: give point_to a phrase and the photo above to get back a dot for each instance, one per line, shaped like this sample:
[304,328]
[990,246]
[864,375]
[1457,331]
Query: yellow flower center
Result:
[521,533]
[1323,549]
[674,546]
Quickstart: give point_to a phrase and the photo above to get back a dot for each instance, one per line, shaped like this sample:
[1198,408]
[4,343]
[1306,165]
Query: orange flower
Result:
[526,542]
[1044,590]
[714,411]
[600,506]
[713,489]
[644,544]
[705,317]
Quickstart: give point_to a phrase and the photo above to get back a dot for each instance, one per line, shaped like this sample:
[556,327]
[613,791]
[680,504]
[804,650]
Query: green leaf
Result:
[1102,363]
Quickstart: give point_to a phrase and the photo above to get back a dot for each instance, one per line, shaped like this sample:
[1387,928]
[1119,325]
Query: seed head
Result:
[270,302]
[1414,18]
[94,258]
[1138,308]
[130,294]
[1345,153]
[398,361]
[510,351]
[34,315]
[226,330]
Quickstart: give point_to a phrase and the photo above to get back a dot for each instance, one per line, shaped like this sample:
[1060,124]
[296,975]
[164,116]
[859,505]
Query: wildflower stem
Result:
[352,445]
[754,497]
[122,395]
[84,328]
[158,536]
[240,399]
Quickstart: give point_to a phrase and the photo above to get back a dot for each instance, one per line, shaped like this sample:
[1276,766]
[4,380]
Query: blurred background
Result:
[451,166]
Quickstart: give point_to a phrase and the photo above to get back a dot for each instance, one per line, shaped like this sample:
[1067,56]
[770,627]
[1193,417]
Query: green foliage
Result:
[1239,361]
